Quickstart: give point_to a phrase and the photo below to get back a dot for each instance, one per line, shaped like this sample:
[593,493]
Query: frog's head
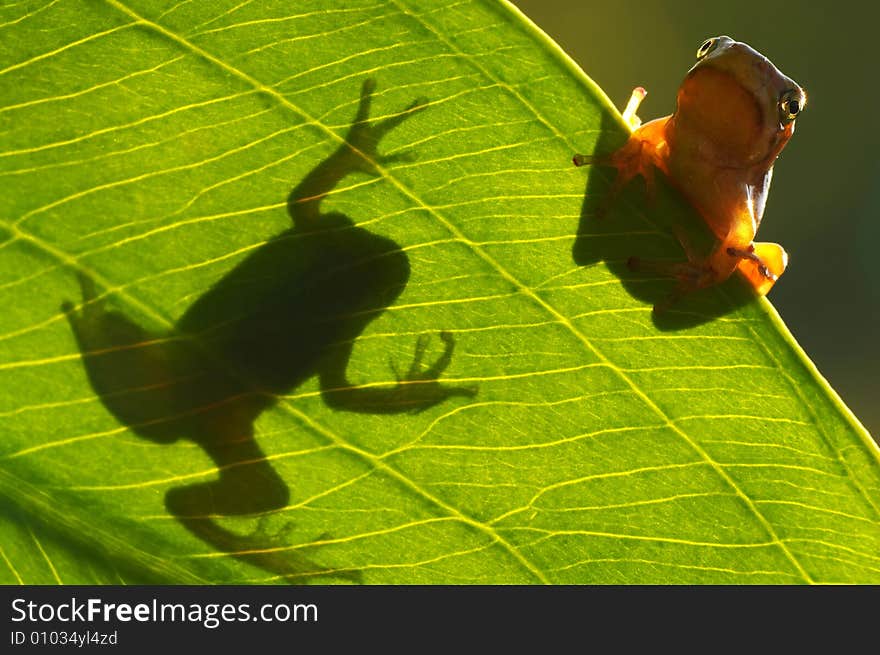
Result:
[734,98]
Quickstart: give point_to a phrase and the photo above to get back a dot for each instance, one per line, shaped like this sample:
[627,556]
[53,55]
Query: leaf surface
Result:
[151,146]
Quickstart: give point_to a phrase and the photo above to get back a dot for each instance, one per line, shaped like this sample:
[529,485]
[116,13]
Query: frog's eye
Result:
[707,47]
[790,105]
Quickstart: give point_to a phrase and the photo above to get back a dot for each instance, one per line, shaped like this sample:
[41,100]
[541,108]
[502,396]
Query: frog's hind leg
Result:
[689,275]
[761,264]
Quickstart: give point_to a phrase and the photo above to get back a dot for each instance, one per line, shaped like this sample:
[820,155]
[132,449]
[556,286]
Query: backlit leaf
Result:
[148,148]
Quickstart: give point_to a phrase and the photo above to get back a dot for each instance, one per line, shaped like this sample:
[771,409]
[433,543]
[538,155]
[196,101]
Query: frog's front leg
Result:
[644,151]
[364,135]
[630,161]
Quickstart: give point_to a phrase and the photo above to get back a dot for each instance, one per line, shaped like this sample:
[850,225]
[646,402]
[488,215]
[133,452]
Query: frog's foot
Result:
[269,550]
[691,276]
[688,273]
[629,113]
[751,256]
[761,264]
[279,536]
[420,386]
[416,372]
[294,566]
[365,136]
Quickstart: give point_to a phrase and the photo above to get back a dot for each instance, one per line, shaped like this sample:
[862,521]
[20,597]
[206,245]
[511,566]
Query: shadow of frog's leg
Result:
[270,552]
[140,377]
[690,276]
[418,390]
[246,483]
[359,152]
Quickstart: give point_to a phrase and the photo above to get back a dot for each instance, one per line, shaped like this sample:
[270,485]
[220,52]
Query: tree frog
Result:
[735,111]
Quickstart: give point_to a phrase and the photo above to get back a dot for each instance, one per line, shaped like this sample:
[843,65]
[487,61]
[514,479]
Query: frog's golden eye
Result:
[707,47]
[790,105]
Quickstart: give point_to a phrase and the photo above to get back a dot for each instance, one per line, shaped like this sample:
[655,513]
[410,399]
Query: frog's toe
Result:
[394,158]
[629,113]
[382,128]
[273,535]
[763,266]
[363,112]
[592,160]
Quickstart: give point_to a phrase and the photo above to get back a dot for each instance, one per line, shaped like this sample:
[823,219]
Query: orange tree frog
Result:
[734,113]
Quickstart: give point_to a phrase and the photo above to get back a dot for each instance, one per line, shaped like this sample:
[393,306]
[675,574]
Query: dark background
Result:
[824,205]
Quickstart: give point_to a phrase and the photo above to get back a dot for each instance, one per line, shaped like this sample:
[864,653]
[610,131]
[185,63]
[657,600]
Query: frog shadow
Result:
[633,226]
[291,310]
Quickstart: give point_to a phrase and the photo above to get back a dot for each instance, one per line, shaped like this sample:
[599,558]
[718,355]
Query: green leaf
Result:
[147,150]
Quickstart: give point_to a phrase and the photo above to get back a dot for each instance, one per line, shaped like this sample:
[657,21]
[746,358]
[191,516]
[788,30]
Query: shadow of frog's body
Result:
[291,310]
